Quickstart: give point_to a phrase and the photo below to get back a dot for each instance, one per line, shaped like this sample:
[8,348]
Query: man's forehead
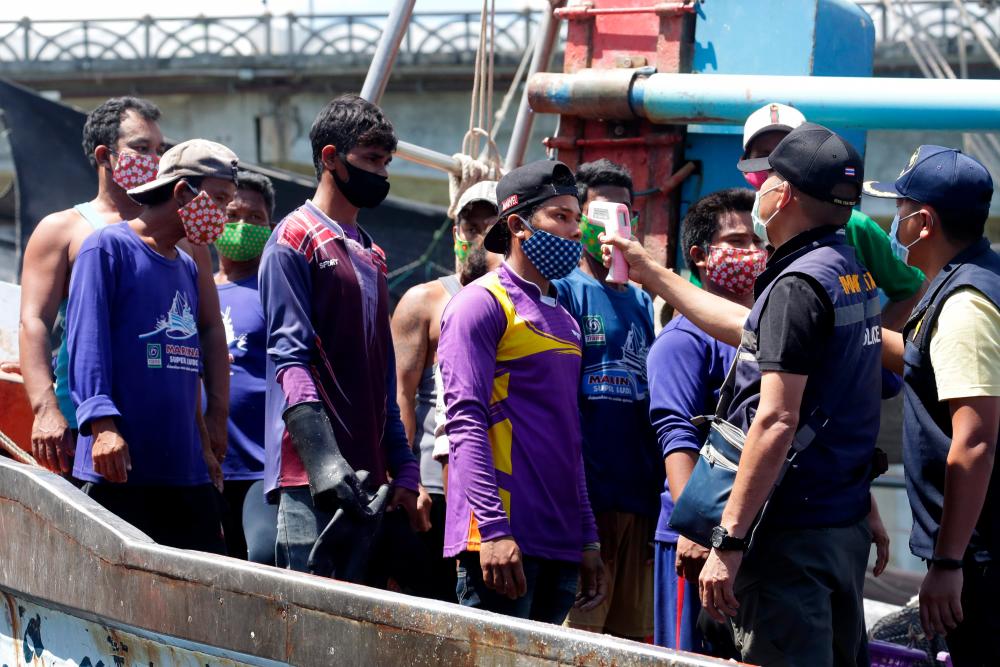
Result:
[248,197]
[133,123]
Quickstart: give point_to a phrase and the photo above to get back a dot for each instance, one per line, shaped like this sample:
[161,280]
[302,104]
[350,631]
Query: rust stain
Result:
[15,625]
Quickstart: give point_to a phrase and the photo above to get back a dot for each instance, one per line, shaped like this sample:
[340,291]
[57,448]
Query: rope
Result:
[16,452]
[480,132]
[399,275]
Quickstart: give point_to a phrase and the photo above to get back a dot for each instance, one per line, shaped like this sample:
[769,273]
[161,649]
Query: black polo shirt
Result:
[797,320]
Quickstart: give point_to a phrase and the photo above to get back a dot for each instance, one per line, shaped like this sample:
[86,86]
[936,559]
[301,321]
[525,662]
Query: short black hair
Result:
[602,172]
[702,219]
[103,124]
[349,121]
[961,226]
[260,184]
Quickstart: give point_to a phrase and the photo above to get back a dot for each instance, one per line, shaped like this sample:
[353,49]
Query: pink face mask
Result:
[203,220]
[134,169]
[735,269]
[756,179]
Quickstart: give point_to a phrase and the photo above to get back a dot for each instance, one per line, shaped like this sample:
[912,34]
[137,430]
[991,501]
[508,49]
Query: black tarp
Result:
[52,173]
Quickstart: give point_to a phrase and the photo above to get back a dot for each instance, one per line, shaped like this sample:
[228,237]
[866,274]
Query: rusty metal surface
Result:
[63,550]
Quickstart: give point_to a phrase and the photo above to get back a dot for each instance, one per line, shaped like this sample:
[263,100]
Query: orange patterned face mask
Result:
[203,220]
[735,269]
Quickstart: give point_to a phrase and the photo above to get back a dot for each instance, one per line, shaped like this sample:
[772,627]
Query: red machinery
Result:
[627,35]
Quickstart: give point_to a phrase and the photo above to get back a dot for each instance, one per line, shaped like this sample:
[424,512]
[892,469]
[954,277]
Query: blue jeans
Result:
[299,526]
[551,589]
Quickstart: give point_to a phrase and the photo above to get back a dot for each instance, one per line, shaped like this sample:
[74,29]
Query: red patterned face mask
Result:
[203,220]
[735,269]
[134,169]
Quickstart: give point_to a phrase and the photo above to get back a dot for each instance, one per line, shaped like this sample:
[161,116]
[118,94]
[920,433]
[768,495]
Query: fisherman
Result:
[949,354]
[619,450]
[239,246]
[416,328]
[123,142]
[518,516]
[135,353]
[902,284]
[331,367]
[807,374]
[687,368]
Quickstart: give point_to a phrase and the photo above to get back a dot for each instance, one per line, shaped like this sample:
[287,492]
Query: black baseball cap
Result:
[523,188]
[945,178]
[817,161]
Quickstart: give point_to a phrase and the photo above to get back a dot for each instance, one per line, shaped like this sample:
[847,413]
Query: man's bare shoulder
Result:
[59,232]
[425,297]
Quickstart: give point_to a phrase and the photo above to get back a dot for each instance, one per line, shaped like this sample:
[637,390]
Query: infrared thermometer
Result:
[616,221]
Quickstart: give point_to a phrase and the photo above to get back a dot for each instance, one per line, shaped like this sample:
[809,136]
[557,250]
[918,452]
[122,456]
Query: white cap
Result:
[481,191]
[770,117]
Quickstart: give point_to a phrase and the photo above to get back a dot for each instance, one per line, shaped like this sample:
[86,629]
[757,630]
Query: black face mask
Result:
[364,189]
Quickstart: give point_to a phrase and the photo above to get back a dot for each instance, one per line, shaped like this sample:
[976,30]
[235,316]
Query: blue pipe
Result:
[847,102]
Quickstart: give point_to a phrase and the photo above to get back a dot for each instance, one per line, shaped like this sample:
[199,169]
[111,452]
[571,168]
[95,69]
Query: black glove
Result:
[332,480]
[343,549]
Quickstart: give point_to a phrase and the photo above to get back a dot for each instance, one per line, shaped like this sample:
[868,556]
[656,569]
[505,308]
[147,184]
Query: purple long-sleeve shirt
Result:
[686,368]
[327,310]
[510,365]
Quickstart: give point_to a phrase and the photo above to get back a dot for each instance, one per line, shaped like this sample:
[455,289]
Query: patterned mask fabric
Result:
[134,169]
[553,256]
[203,220]
[242,241]
[735,269]
[462,249]
[591,230]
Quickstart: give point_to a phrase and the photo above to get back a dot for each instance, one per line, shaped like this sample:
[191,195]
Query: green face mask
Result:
[242,241]
[590,232]
[462,249]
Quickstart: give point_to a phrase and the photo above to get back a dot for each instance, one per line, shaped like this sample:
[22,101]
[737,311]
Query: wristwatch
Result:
[723,541]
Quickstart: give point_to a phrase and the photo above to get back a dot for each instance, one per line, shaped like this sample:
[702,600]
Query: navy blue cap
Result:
[522,188]
[945,178]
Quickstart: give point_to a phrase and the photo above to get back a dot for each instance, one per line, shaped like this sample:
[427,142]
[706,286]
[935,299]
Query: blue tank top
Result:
[63,397]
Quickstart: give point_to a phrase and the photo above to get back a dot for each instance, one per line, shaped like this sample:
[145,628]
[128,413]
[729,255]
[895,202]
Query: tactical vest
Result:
[927,421]
[828,482]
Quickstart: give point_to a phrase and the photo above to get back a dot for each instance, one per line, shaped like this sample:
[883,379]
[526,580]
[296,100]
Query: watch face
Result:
[718,534]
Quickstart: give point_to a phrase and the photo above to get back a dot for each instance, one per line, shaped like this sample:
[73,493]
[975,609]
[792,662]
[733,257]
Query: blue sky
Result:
[96,9]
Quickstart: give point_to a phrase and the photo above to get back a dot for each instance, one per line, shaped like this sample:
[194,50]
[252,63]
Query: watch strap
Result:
[946,563]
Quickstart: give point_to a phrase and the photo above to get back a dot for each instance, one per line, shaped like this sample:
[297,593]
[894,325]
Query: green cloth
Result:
[899,281]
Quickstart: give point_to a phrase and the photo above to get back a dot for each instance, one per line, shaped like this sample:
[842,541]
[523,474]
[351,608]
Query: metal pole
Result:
[385,53]
[428,158]
[847,102]
[548,31]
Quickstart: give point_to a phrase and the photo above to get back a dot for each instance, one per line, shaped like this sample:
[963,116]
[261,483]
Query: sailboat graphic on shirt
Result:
[179,321]
[232,340]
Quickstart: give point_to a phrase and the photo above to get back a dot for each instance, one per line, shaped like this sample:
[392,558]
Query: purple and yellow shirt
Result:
[510,365]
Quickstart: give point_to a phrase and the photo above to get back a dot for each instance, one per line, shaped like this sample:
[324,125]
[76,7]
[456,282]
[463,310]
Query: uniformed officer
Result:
[950,362]
[806,377]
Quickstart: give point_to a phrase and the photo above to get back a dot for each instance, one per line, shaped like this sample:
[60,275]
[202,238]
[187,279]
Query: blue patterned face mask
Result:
[553,256]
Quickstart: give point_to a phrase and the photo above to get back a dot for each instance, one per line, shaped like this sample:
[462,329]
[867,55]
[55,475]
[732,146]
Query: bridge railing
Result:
[433,37]
[940,20]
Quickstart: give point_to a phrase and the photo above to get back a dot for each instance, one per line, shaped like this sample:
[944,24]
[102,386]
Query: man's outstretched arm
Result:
[719,318]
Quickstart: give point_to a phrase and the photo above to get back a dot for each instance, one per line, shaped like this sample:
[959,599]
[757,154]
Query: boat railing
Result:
[69,566]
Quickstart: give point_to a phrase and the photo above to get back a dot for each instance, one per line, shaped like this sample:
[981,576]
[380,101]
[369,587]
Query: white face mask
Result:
[760,226]
[902,252]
